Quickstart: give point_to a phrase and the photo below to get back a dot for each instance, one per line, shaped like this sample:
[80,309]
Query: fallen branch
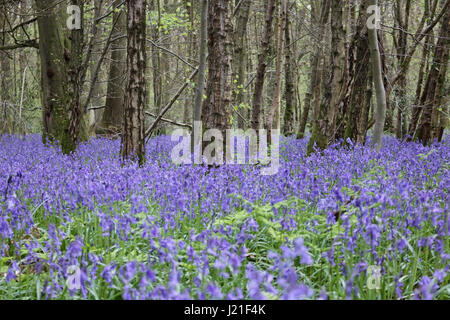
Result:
[167,107]
[170,121]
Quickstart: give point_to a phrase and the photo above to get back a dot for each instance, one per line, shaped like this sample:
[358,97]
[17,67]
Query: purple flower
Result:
[12,270]
[128,271]
[108,272]
[439,275]
[235,294]
[302,251]
[214,291]
[427,288]
[75,249]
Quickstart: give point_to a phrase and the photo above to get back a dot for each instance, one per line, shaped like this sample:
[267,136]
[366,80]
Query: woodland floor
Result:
[315,230]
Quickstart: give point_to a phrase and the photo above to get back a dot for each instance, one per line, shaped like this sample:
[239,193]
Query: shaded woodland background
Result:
[293,65]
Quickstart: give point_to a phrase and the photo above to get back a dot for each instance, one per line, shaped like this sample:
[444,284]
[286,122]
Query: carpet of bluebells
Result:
[166,231]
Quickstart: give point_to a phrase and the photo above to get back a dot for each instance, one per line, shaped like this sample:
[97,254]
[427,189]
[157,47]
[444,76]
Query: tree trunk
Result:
[356,125]
[273,121]
[239,57]
[313,95]
[133,143]
[400,91]
[325,122]
[53,70]
[190,38]
[216,106]
[288,128]
[379,86]
[200,85]
[428,129]
[202,65]
[155,5]
[6,74]
[112,120]
[75,49]
[95,115]
[417,109]
[262,64]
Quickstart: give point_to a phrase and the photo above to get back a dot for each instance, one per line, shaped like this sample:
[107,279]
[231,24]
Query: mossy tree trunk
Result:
[53,76]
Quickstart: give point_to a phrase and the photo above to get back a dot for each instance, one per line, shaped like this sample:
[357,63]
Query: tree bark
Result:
[417,109]
[273,121]
[262,64]
[357,117]
[133,143]
[53,70]
[379,86]
[239,56]
[216,106]
[313,95]
[6,74]
[325,122]
[74,45]
[428,129]
[200,85]
[112,120]
[400,91]
[288,127]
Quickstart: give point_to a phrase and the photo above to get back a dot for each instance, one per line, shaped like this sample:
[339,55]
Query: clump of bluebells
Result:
[88,226]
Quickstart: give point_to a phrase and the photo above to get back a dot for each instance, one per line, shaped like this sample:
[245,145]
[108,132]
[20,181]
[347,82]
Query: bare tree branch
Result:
[167,107]
[170,121]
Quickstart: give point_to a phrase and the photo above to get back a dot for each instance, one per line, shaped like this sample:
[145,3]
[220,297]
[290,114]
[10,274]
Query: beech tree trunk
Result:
[380,114]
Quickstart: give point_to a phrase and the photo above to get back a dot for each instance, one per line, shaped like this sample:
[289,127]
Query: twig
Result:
[170,52]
